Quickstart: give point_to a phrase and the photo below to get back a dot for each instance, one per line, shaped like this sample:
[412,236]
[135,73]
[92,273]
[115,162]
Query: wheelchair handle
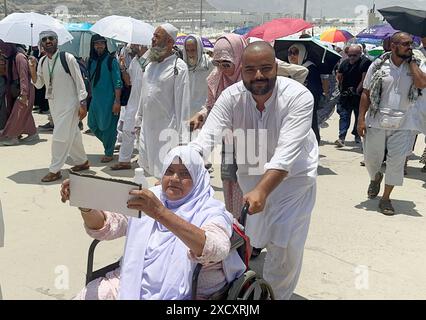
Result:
[244,213]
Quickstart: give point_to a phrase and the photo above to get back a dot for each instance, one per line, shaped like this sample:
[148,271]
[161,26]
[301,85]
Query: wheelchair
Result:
[249,286]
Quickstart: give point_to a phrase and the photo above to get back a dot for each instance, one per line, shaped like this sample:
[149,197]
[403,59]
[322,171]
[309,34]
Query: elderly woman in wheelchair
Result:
[183,226]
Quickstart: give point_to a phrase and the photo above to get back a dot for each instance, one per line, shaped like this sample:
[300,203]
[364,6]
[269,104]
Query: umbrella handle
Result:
[32,25]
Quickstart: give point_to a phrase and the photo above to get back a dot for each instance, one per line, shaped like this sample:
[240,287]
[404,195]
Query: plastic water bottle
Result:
[140,178]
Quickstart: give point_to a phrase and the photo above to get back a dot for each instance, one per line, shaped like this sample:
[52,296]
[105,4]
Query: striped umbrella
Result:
[335,35]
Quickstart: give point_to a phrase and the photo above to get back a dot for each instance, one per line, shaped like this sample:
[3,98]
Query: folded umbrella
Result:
[126,29]
[24,28]
[405,19]
[324,58]
[278,28]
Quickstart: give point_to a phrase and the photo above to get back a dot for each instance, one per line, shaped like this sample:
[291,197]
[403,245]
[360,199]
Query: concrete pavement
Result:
[352,251]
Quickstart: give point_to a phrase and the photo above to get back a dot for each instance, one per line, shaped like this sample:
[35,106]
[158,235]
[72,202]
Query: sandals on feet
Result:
[50,177]
[121,166]
[374,187]
[81,167]
[385,207]
[106,159]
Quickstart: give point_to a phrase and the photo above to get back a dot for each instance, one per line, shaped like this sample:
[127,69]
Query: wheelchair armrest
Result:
[195,276]
[90,259]
[237,241]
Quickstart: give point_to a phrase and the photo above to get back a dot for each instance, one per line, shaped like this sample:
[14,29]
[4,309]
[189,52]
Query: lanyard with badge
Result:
[49,93]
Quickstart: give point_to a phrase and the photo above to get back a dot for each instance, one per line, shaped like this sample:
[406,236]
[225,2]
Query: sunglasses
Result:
[352,55]
[405,44]
[293,53]
[44,39]
[222,64]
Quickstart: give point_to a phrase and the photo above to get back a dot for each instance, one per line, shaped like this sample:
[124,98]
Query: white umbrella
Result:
[24,28]
[124,29]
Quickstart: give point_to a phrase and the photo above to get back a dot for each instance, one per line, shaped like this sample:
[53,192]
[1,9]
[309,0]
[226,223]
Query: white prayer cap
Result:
[171,30]
[48,33]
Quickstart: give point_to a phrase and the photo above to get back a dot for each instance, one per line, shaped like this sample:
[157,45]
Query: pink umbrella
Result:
[279,28]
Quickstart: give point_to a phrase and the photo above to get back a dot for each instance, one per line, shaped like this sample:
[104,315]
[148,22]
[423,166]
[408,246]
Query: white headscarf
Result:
[303,54]
[203,62]
[156,264]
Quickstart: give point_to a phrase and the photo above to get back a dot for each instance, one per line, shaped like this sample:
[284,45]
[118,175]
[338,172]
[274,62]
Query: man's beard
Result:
[270,84]
[404,56]
[100,52]
[352,62]
[50,50]
[157,53]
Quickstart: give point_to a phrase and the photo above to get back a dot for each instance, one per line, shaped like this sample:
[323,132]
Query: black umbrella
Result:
[405,19]
[325,58]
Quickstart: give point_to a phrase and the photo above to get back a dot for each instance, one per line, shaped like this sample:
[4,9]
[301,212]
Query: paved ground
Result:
[352,251]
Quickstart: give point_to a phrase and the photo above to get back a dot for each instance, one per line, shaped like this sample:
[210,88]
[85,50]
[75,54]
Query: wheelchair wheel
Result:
[259,290]
[250,287]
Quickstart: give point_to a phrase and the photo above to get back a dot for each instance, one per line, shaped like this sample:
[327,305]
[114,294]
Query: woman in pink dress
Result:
[19,97]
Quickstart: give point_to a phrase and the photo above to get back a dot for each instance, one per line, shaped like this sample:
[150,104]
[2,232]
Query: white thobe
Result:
[198,86]
[164,108]
[68,91]
[129,113]
[286,143]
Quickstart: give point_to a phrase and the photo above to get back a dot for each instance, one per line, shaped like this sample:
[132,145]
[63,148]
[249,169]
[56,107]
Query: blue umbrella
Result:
[369,41]
[83,26]
[80,45]
[242,31]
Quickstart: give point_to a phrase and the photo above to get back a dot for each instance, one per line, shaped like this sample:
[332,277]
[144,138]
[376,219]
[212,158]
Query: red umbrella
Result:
[279,28]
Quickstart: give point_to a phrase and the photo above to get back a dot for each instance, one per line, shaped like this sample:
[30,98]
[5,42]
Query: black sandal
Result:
[374,187]
[255,252]
[386,207]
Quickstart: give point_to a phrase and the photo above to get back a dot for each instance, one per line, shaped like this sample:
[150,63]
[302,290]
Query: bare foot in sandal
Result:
[106,159]
[122,166]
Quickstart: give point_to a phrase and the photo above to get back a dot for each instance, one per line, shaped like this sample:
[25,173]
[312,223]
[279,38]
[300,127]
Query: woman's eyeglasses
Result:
[222,64]
[293,53]
[44,39]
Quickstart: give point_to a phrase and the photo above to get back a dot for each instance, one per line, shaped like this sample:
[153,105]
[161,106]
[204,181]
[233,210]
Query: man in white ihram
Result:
[281,187]
[132,77]
[67,100]
[165,99]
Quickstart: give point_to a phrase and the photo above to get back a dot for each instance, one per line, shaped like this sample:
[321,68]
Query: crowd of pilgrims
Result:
[157,98]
